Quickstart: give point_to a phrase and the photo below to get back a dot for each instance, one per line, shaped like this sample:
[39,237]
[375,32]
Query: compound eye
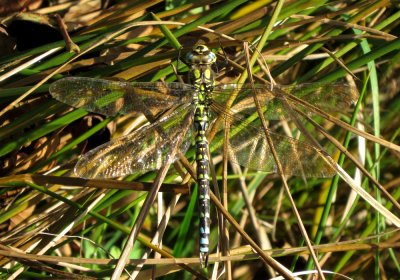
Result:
[208,58]
[205,59]
[200,54]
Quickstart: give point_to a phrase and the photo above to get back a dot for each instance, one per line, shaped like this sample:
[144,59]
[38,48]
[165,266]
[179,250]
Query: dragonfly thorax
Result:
[201,75]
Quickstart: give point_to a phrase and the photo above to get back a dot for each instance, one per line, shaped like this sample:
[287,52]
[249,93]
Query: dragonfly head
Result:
[200,54]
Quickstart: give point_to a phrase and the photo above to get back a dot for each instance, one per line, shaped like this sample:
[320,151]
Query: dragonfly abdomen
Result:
[201,121]
[202,78]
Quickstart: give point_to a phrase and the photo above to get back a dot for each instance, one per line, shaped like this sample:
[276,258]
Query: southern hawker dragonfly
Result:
[184,113]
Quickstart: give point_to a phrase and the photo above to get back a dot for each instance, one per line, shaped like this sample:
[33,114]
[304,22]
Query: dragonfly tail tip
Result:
[204,259]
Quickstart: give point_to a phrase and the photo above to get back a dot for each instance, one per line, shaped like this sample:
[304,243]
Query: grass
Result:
[55,225]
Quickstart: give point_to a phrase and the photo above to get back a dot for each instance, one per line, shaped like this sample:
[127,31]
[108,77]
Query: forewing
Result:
[249,147]
[336,97]
[330,97]
[111,97]
[142,151]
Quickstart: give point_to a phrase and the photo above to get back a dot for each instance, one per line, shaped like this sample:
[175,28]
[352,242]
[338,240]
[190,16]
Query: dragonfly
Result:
[183,113]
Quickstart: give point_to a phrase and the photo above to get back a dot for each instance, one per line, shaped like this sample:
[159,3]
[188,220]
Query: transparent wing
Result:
[112,97]
[147,149]
[330,97]
[248,147]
